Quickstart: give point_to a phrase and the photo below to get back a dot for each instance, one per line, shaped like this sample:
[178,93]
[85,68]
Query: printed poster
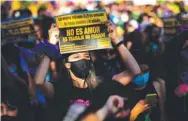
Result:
[17,30]
[83,31]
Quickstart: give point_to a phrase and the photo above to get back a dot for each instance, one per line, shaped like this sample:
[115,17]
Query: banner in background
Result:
[18,30]
[172,25]
[83,31]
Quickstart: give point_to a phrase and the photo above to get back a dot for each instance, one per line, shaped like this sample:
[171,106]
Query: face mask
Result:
[81,68]
[183,65]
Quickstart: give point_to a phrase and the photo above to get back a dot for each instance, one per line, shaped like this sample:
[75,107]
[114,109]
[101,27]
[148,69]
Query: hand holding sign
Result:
[83,31]
[112,30]
[53,34]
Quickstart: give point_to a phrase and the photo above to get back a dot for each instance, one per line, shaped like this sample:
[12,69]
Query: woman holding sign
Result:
[77,77]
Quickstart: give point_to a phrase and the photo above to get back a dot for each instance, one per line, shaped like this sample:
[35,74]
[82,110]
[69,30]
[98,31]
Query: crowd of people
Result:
[143,78]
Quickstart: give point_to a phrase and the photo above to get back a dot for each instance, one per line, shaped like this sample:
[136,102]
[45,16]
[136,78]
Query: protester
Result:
[112,105]
[74,65]
[147,58]
[15,97]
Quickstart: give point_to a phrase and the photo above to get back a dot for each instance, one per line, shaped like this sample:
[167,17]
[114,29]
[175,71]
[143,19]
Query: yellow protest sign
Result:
[18,30]
[83,31]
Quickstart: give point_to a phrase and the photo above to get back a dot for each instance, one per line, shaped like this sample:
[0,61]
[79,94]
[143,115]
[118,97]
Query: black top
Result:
[136,38]
[65,95]
[70,93]
[80,96]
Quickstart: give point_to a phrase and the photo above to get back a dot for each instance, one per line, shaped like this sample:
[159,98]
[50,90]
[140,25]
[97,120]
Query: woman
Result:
[76,82]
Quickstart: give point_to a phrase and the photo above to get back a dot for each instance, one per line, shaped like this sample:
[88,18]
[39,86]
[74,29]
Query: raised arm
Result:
[126,56]
[47,87]
[129,60]
[42,71]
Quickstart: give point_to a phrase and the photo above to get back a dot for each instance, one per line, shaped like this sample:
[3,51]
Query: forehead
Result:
[78,56]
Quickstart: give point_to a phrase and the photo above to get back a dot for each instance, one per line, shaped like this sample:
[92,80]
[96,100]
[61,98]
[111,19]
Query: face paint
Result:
[81,68]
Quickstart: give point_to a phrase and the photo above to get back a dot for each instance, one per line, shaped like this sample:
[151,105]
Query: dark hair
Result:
[13,94]
[42,8]
[149,30]
[181,6]
[10,53]
[80,10]
[140,19]
[65,82]
[45,23]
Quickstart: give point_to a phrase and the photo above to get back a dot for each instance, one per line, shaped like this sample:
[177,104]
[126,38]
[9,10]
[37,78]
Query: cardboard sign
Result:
[17,30]
[83,31]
